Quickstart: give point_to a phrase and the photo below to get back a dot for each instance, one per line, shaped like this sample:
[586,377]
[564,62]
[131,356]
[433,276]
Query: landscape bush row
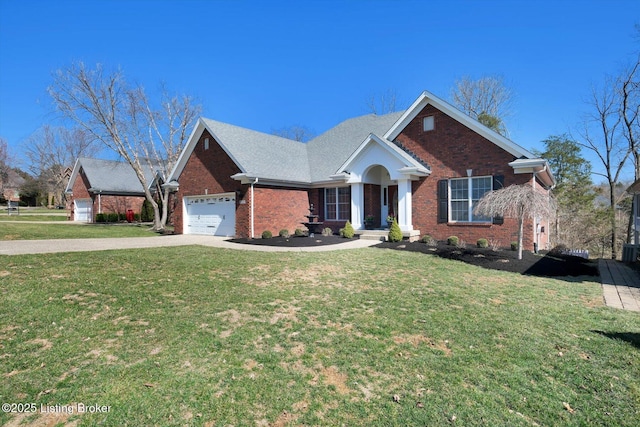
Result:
[395,235]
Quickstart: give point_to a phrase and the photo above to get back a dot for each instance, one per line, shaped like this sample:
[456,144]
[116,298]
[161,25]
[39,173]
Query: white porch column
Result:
[357,205]
[404,205]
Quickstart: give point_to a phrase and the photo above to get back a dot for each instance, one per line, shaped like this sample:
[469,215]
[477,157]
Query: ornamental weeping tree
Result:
[516,201]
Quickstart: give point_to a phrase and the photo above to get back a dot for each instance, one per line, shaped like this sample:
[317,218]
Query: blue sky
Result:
[267,65]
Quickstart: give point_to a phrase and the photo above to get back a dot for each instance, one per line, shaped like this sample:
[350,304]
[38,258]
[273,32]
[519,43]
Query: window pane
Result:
[478,217]
[459,189]
[330,195]
[460,211]
[344,203]
[330,203]
[481,186]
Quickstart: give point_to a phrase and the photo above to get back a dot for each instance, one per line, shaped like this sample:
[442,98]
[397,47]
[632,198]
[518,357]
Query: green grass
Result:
[32,218]
[36,231]
[204,336]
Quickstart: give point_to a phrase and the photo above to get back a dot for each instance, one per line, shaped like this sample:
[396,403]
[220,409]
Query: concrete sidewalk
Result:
[24,247]
[620,285]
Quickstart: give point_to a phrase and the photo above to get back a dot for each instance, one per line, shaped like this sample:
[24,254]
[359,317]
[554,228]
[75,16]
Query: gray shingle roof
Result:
[262,155]
[108,176]
[274,158]
[327,152]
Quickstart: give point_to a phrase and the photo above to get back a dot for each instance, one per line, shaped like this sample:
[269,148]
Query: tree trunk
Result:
[614,229]
[165,207]
[520,234]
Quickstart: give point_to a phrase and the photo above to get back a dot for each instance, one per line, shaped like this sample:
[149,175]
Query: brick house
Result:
[104,186]
[426,166]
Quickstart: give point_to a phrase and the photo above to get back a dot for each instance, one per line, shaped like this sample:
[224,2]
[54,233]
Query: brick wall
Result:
[450,149]
[209,172]
[280,208]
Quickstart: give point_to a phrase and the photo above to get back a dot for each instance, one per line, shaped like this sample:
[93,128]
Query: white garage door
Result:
[82,210]
[212,214]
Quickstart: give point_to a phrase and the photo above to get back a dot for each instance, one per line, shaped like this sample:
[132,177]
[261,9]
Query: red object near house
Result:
[130,215]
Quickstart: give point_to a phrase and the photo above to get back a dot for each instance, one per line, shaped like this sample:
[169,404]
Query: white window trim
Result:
[469,199]
[347,215]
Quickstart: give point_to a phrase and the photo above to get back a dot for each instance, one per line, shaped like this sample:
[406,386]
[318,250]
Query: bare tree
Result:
[602,135]
[4,162]
[384,103]
[122,118]
[50,151]
[629,92]
[296,132]
[487,100]
[519,202]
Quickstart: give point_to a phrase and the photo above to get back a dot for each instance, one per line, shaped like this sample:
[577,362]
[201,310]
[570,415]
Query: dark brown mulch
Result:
[542,264]
[293,241]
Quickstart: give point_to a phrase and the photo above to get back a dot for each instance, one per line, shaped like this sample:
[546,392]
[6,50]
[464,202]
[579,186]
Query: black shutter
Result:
[443,201]
[498,183]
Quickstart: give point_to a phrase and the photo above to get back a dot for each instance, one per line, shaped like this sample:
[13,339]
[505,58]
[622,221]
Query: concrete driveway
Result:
[23,247]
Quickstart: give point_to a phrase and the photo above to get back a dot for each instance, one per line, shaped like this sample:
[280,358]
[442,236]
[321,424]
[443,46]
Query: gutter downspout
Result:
[255,181]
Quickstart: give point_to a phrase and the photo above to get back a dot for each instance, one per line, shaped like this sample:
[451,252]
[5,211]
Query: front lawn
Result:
[205,336]
[35,231]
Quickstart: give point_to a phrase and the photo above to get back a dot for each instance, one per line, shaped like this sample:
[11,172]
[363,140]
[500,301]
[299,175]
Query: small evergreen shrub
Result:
[112,217]
[146,213]
[284,233]
[266,234]
[453,241]
[395,234]
[298,232]
[101,218]
[514,246]
[327,231]
[348,232]
[482,243]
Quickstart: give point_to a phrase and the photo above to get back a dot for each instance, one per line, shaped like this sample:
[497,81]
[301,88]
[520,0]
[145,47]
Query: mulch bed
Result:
[293,241]
[542,264]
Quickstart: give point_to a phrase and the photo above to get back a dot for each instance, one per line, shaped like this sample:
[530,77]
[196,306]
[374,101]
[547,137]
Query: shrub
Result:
[395,234]
[428,240]
[266,234]
[558,249]
[101,217]
[494,245]
[146,213]
[327,231]
[482,243]
[453,240]
[514,246]
[348,231]
[284,233]
[298,232]
[112,217]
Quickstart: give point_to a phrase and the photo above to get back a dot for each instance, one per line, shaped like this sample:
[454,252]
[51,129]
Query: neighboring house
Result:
[630,252]
[426,166]
[10,186]
[105,186]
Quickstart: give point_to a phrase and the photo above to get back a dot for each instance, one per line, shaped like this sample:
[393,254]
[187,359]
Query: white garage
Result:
[210,214]
[82,210]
